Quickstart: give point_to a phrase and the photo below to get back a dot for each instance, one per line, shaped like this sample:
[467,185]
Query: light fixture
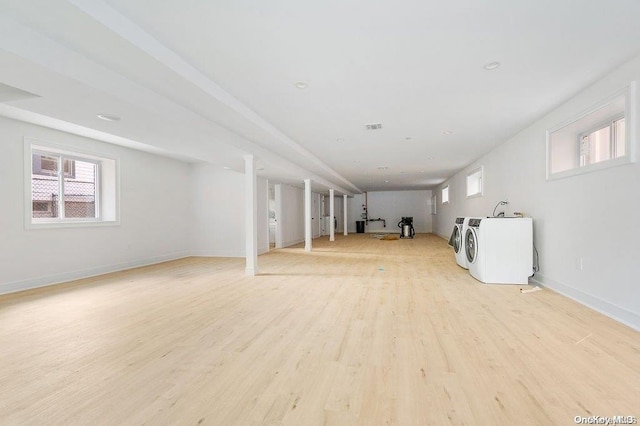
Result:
[108,117]
[387,181]
[408,138]
[227,168]
[491,66]
[301,85]
[447,132]
[340,139]
[383,167]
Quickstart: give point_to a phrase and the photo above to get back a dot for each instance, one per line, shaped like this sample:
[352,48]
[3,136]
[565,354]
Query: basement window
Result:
[599,138]
[67,188]
[445,195]
[474,183]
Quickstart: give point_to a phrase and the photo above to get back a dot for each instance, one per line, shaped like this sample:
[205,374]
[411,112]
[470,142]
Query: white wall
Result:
[218,212]
[392,206]
[354,211]
[292,215]
[592,216]
[154,215]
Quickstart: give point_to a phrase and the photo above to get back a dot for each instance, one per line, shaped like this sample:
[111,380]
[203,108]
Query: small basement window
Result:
[474,183]
[600,138]
[445,195]
[65,187]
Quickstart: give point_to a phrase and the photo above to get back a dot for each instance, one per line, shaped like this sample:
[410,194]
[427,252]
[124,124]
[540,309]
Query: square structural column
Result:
[344,209]
[307,215]
[332,225]
[251,216]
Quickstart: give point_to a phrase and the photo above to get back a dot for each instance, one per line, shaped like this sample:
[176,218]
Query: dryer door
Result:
[471,245]
[457,239]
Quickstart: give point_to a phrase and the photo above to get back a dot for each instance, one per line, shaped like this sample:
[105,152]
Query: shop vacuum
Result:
[406,227]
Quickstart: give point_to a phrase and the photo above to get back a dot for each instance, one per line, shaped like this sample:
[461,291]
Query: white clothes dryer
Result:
[459,247]
[500,250]
[458,242]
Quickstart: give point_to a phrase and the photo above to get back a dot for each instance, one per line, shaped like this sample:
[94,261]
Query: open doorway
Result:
[273,221]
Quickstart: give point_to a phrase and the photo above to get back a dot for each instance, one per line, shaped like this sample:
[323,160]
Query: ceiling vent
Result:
[374,126]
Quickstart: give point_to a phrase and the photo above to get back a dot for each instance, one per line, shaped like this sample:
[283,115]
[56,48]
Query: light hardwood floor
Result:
[359,331]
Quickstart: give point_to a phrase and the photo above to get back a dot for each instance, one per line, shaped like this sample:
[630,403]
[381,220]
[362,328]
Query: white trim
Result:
[632,319]
[292,243]
[217,253]
[49,280]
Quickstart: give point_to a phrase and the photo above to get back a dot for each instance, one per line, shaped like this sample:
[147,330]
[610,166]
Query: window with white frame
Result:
[596,139]
[474,183]
[445,195]
[65,187]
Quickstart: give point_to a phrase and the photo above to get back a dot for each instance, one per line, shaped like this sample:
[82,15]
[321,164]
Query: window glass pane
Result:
[619,144]
[596,146]
[45,188]
[80,189]
[445,194]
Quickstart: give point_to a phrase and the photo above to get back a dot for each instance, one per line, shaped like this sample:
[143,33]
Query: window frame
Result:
[629,114]
[442,194]
[107,214]
[479,169]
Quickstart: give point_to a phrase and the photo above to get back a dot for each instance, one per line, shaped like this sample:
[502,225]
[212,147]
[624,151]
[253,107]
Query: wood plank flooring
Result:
[357,332]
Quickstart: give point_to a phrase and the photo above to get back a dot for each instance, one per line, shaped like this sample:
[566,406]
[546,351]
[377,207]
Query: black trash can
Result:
[360,226]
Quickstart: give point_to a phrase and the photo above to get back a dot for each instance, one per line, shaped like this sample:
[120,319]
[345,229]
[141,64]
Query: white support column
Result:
[307,215]
[332,225]
[279,221]
[251,216]
[344,209]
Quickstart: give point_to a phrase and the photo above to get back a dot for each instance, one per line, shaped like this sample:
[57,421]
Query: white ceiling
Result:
[214,80]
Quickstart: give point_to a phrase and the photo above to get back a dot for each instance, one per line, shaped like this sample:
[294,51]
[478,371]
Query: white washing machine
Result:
[499,250]
[459,231]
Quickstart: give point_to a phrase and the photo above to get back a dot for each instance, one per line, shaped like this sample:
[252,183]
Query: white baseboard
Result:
[15,286]
[217,253]
[292,242]
[632,319]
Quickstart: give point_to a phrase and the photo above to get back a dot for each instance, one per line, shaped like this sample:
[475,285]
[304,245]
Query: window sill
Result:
[591,168]
[71,224]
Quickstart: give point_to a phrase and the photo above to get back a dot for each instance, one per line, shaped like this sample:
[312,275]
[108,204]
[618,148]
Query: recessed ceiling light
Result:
[491,66]
[383,167]
[227,168]
[107,117]
[301,85]
[447,132]
[340,139]
[387,181]
[408,138]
